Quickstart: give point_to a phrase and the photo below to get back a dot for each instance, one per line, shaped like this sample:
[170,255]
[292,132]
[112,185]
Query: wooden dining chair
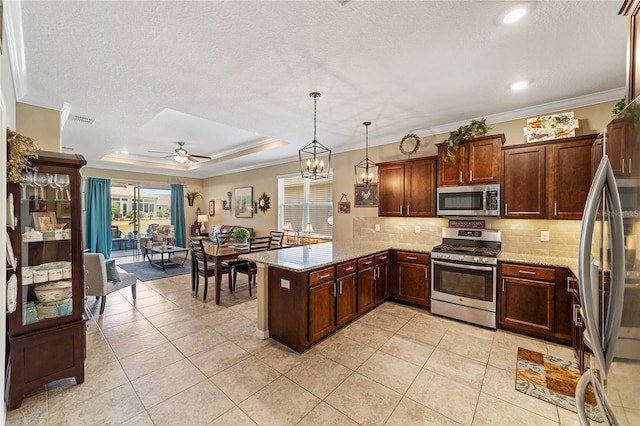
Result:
[204,267]
[276,239]
[256,244]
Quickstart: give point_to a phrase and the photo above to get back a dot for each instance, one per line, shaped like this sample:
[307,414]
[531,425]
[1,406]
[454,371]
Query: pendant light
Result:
[315,158]
[366,170]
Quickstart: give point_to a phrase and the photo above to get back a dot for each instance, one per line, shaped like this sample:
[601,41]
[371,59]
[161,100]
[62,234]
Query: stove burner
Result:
[481,251]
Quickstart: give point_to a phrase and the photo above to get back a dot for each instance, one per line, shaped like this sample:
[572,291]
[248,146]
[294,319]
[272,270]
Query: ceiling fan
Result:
[181,155]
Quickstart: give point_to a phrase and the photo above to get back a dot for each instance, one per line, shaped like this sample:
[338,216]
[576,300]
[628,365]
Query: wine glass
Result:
[41,180]
[27,181]
[62,181]
[53,185]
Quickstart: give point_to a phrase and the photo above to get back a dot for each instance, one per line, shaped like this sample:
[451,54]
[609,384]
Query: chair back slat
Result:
[197,252]
[276,237]
[257,244]
[222,237]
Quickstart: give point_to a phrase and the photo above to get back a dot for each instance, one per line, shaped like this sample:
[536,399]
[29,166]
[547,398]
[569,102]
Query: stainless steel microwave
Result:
[473,200]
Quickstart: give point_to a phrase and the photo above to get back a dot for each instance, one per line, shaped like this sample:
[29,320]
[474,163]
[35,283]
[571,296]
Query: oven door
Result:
[464,284]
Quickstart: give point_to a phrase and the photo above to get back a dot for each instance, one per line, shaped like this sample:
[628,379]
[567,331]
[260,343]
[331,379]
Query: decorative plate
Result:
[12,294]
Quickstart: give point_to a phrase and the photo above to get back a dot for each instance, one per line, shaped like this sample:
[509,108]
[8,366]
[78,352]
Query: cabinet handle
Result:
[335,290]
[470,175]
[569,281]
[408,209]
[400,209]
[383,258]
[527,272]
[426,273]
[324,276]
[623,165]
[629,165]
[506,209]
[460,176]
[503,285]
[555,209]
[411,258]
[377,274]
[348,268]
[340,287]
[574,313]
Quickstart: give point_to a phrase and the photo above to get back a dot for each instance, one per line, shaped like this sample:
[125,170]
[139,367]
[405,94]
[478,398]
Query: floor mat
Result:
[145,272]
[552,380]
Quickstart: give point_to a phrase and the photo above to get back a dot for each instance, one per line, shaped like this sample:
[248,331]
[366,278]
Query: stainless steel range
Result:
[464,274]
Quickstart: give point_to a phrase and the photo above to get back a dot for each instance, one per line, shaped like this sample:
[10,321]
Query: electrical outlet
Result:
[417,229]
[285,283]
[544,236]
[377,227]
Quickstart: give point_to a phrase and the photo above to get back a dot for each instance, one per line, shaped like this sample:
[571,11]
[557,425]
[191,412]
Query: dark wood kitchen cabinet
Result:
[526,298]
[622,148]
[413,279]
[322,303]
[366,284]
[46,338]
[346,293]
[476,162]
[407,188]
[548,180]
[381,273]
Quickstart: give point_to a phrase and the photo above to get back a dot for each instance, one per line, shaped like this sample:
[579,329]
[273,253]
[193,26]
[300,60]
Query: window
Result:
[302,201]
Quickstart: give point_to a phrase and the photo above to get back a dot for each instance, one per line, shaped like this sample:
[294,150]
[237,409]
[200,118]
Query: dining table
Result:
[218,254]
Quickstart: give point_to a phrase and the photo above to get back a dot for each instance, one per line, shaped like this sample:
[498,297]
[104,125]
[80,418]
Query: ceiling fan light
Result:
[180,159]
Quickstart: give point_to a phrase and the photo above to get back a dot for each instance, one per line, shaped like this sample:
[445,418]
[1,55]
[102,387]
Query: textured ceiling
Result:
[231,78]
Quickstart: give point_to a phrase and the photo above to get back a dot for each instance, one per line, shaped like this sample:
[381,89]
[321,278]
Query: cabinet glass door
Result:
[45,209]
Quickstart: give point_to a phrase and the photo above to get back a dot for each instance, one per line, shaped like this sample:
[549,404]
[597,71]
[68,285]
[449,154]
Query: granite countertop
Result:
[309,257]
[306,258]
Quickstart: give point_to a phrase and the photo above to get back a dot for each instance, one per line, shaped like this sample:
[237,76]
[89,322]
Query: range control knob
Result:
[461,257]
[477,259]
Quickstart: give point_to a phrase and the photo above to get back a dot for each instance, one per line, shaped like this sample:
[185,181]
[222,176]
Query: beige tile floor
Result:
[172,359]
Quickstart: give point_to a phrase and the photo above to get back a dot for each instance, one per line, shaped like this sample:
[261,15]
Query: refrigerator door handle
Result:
[603,341]
[607,411]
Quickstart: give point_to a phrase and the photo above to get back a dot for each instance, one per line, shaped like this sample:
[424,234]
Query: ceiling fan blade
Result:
[162,152]
[201,156]
[190,158]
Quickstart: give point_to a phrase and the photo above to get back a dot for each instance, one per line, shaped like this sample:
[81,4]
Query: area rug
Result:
[145,272]
[552,380]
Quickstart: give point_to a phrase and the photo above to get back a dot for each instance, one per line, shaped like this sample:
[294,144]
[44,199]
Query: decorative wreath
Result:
[416,146]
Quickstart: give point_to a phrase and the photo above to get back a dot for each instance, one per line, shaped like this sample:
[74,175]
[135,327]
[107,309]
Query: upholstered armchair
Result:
[102,278]
[159,234]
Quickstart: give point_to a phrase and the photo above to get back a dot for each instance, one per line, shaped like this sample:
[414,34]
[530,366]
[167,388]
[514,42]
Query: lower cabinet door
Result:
[366,290]
[347,300]
[382,290]
[527,304]
[322,310]
[413,283]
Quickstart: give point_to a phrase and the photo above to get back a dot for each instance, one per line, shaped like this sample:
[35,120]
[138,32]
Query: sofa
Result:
[228,229]
[158,234]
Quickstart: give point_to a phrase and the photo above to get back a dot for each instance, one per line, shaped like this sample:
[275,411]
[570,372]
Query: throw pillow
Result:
[112,271]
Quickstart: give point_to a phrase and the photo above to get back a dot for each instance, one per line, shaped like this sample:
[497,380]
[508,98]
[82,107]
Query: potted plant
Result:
[619,106]
[241,235]
[21,149]
[192,196]
[464,133]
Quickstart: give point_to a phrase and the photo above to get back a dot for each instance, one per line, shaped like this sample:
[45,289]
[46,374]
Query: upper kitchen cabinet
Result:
[476,162]
[620,137]
[407,188]
[547,180]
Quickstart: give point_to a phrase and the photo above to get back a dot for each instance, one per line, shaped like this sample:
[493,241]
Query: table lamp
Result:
[203,218]
[308,228]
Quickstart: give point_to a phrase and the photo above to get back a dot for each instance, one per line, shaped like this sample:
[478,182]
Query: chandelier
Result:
[312,156]
[366,170]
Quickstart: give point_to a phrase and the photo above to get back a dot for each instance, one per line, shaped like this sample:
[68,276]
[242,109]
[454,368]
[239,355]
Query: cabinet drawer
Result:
[321,276]
[346,268]
[530,272]
[382,257]
[365,262]
[407,256]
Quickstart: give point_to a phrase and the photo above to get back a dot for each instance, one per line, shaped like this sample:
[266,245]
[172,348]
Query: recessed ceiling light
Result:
[124,151]
[514,15]
[519,85]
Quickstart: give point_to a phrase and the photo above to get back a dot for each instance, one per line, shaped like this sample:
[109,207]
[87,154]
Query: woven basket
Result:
[53,292]
[50,309]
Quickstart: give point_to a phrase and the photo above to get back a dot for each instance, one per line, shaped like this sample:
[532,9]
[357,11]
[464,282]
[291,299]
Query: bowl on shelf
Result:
[53,292]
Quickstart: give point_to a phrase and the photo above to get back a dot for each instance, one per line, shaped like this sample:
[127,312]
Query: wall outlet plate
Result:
[544,236]
[285,283]
[377,227]
[417,229]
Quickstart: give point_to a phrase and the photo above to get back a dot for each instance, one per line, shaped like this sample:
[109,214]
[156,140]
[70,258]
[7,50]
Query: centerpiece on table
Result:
[241,235]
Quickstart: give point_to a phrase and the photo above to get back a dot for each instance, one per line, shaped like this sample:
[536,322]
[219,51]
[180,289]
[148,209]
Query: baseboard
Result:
[260,334]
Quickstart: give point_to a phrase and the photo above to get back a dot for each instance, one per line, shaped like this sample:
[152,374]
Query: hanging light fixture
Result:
[366,170]
[313,155]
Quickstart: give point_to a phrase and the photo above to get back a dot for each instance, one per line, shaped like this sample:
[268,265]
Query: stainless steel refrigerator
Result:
[609,275]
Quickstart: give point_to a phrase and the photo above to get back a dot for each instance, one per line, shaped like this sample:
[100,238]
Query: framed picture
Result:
[212,207]
[63,209]
[366,195]
[244,202]
[344,207]
[42,221]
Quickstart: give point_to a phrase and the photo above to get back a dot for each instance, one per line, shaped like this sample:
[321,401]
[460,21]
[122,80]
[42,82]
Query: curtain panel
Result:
[177,214]
[98,216]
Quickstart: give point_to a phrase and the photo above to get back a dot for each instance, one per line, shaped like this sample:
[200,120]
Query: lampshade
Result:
[180,158]
[308,228]
[315,158]
[287,227]
[366,170]
[203,218]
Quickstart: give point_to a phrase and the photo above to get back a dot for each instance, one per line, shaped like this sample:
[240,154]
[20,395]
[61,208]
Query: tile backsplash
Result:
[518,236]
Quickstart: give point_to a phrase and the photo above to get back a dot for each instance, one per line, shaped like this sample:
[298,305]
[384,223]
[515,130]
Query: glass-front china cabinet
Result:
[45,276]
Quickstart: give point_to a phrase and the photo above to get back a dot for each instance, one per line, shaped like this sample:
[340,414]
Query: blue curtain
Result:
[177,213]
[98,216]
